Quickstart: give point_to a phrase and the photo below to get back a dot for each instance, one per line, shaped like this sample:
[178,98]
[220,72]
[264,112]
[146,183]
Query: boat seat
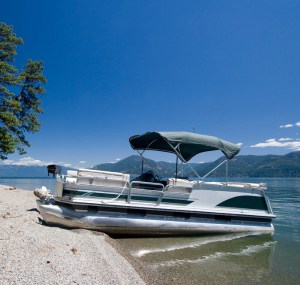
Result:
[71,176]
[102,178]
[72,172]
[109,182]
[102,174]
[180,182]
[179,185]
[85,180]
[147,185]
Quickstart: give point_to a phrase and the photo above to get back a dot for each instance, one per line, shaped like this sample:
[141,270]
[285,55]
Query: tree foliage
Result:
[20,94]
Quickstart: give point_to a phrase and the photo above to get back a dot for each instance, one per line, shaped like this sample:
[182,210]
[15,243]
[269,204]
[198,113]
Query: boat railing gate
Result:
[158,187]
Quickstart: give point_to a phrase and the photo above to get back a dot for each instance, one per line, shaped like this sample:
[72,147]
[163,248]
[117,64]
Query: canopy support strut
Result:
[181,158]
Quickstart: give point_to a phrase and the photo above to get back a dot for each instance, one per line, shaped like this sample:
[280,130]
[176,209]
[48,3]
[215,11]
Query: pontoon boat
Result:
[118,204]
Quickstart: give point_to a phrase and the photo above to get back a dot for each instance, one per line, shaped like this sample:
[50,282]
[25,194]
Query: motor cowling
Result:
[53,169]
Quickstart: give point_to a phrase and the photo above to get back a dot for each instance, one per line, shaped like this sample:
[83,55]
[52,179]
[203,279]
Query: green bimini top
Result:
[186,144]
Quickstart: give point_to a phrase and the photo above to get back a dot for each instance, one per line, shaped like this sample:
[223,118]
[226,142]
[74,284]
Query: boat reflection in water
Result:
[221,259]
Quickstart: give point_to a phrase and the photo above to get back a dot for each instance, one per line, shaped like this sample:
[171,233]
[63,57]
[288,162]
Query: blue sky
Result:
[230,69]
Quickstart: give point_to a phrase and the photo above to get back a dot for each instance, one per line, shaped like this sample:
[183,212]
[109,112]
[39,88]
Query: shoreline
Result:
[33,253]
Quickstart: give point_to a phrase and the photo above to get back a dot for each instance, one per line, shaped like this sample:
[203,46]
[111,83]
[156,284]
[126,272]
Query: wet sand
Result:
[34,253]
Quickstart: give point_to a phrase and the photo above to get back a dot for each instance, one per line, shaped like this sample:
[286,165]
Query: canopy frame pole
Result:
[176,168]
[181,158]
[226,165]
[224,161]
[145,160]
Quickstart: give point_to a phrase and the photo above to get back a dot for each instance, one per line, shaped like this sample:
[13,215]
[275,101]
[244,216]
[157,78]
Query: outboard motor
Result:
[54,169]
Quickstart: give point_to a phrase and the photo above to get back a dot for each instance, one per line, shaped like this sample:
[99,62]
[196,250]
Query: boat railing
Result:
[270,210]
[152,186]
[174,186]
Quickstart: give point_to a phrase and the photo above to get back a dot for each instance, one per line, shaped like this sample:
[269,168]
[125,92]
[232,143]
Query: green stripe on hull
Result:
[246,202]
[124,197]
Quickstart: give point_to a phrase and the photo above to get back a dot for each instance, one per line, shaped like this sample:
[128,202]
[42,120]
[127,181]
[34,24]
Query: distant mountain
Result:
[259,166]
[133,165]
[26,171]
[242,166]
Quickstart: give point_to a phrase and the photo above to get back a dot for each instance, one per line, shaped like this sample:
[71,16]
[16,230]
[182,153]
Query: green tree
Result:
[20,94]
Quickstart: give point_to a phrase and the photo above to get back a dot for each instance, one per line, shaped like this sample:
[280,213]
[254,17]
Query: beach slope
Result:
[33,253]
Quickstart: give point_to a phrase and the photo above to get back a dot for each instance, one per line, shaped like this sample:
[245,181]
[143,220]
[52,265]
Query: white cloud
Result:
[286,126]
[283,143]
[290,125]
[26,161]
[64,164]
[8,161]
[29,161]
[82,161]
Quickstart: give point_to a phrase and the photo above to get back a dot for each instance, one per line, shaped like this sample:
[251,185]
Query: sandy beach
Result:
[33,253]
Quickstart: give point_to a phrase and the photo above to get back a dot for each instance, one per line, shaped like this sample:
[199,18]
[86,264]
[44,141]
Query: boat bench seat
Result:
[147,185]
[71,176]
[72,173]
[102,178]
[179,185]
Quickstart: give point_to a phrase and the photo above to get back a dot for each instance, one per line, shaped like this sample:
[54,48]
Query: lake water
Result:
[30,183]
[222,259]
